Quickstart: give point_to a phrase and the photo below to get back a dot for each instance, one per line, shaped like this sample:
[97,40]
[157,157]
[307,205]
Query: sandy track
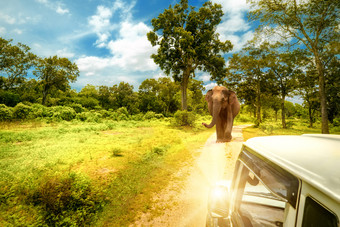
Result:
[186,204]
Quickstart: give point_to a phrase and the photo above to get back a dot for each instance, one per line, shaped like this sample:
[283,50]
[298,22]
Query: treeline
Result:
[28,79]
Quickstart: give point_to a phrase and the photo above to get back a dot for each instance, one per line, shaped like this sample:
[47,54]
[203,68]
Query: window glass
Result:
[316,215]
[281,182]
[260,207]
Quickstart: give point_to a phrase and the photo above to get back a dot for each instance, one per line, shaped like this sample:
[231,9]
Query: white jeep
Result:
[281,181]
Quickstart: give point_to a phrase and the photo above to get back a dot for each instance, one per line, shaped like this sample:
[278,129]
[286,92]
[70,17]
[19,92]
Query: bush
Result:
[93,117]
[41,111]
[149,115]
[336,122]
[184,118]
[63,113]
[78,107]
[5,113]
[21,111]
[137,117]
[121,114]
[67,201]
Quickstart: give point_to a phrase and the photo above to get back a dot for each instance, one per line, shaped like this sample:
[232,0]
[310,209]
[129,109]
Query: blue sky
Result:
[107,39]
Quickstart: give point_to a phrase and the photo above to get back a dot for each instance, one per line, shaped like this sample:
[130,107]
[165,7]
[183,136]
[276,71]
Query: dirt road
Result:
[186,204]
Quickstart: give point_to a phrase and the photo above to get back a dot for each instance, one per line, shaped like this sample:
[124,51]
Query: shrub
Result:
[5,113]
[121,114]
[149,115]
[93,117]
[184,118]
[41,111]
[67,201]
[336,121]
[82,116]
[21,111]
[63,113]
[137,117]
[159,116]
[78,107]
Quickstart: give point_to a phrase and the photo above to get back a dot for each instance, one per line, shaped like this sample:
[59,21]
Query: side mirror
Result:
[218,203]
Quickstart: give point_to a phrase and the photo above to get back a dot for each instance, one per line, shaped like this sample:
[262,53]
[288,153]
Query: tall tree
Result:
[249,70]
[55,74]
[15,61]
[284,67]
[124,96]
[313,23]
[187,41]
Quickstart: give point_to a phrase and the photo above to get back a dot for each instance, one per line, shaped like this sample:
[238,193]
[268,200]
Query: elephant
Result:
[223,106]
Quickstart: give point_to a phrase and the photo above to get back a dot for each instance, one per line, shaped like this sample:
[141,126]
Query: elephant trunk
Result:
[215,113]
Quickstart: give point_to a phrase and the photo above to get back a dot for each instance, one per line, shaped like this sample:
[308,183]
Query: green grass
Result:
[76,173]
[294,127]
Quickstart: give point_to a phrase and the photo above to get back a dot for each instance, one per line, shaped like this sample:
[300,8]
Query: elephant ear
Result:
[232,97]
[208,95]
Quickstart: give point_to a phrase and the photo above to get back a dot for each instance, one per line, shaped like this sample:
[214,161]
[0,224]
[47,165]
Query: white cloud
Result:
[132,50]
[205,77]
[65,53]
[61,10]
[232,6]
[234,27]
[210,86]
[2,30]
[7,19]
[56,6]
[90,65]
[17,31]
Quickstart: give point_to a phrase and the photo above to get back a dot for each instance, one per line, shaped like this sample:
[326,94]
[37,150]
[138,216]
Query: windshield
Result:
[278,181]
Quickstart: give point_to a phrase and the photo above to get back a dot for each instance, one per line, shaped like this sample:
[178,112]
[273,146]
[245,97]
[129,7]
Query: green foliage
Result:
[67,200]
[149,115]
[9,98]
[184,118]
[21,111]
[78,107]
[5,113]
[188,41]
[63,113]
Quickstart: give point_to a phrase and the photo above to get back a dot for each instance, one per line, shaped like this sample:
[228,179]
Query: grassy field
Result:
[99,174]
[76,173]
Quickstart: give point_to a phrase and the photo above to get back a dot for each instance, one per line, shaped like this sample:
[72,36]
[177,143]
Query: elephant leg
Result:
[229,125]
[219,131]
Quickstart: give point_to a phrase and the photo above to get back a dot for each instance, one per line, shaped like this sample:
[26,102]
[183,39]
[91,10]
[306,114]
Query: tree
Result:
[313,24]
[308,90]
[188,41]
[15,61]
[284,67]
[124,96]
[248,71]
[55,74]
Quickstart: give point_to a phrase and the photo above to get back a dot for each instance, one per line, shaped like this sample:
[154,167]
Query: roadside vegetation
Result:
[75,173]
[100,170]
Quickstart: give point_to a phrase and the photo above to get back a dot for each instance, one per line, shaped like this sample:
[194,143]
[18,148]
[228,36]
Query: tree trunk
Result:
[322,93]
[310,116]
[184,88]
[45,93]
[283,112]
[258,103]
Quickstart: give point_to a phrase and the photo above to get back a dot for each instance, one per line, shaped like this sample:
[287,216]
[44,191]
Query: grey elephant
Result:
[223,106]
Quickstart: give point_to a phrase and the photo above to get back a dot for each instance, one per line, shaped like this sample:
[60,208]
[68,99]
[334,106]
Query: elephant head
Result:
[223,106]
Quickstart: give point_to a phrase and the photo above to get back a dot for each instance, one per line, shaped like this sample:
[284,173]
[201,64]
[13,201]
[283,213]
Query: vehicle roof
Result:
[313,158]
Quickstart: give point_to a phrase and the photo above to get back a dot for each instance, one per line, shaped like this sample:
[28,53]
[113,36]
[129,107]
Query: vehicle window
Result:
[279,181]
[260,207]
[316,215]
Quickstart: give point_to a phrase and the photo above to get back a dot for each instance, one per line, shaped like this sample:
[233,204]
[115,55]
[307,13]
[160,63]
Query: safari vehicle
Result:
[281,181]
